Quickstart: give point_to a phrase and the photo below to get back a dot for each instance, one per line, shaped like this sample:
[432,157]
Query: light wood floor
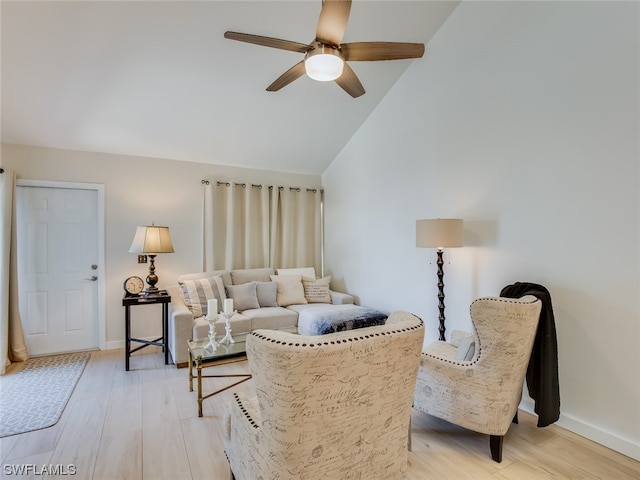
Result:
[143,424]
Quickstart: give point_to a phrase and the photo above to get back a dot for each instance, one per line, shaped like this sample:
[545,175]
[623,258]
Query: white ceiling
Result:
[158,79]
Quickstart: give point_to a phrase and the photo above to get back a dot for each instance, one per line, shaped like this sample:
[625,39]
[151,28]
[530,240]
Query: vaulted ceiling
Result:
[158,79]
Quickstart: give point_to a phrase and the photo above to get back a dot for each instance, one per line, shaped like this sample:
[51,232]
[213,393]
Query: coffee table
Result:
[223,355]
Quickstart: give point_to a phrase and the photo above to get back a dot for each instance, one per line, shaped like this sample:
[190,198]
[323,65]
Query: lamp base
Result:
[440,274]
[152,278]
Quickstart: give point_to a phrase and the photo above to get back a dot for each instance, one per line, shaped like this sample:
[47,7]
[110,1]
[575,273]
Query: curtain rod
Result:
[253,185]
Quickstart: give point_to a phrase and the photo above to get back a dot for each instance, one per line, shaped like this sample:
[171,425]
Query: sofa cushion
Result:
[309,272]
[302,308]
[317,290]
[267,293]
[226,276]
[272,318]
[246,275]
[197,292]
[244,296]
[290,290]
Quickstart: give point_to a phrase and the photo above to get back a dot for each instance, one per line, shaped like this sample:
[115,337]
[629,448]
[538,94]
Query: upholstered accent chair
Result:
[479,386]
[329,406]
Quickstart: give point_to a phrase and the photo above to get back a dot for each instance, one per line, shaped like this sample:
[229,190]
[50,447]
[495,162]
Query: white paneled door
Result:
[58,268]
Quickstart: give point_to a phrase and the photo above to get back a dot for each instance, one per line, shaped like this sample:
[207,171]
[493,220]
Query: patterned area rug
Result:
[35,396]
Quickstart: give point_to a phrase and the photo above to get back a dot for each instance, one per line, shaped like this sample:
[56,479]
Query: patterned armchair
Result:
[330,406]
[483,391]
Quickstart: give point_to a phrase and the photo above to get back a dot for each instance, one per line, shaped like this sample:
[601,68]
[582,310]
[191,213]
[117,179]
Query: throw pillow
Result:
[246,275]
[317,291]
[290,290]
[267,294]
[466,349]
[244,296]
[196,293]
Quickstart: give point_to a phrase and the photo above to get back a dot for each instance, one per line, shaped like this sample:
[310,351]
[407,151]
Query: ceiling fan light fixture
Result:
[323,63]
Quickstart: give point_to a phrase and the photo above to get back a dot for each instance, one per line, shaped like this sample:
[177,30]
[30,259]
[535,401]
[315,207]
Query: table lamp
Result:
[151,240]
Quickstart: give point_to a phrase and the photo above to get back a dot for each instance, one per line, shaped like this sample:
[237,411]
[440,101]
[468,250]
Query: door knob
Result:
[93,278]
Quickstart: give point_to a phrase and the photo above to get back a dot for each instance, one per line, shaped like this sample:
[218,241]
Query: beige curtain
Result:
[12,345]
[295,228]
[253,226]
[236,226]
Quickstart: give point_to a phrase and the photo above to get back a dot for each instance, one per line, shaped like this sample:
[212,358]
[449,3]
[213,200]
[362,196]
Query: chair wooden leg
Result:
[495,444]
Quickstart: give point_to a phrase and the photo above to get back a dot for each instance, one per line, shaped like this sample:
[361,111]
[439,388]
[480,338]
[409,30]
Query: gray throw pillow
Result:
[267,293]
[244,296]
[466,349]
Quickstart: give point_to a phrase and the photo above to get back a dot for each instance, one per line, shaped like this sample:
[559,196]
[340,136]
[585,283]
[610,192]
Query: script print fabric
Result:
[482,394]
[334,406]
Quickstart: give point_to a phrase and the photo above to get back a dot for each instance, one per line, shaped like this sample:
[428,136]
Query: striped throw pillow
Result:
[197,292]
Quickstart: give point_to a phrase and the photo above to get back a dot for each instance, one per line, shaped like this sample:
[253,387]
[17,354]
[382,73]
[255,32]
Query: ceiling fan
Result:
[325,58]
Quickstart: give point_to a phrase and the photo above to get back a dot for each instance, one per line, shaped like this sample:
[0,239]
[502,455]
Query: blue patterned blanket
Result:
[322,319]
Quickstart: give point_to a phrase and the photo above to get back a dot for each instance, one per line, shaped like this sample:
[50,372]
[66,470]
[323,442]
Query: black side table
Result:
[128,301]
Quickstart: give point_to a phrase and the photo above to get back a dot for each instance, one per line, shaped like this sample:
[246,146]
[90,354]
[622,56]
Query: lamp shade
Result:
[439,233]
[151,239]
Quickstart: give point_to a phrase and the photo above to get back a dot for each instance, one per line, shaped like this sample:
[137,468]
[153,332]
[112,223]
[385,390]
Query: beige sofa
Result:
[186,323]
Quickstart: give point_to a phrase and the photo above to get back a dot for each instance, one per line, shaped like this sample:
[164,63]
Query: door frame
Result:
[99,189]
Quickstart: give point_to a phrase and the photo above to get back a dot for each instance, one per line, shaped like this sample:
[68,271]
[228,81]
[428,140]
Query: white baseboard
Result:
[593,433]
[114,345]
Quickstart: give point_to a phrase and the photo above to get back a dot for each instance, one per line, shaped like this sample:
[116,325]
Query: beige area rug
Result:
[34,397]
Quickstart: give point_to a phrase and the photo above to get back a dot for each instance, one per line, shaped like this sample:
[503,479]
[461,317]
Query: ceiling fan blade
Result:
[371,51]
[349,82]
[287,77]
[333,20]
[268,41]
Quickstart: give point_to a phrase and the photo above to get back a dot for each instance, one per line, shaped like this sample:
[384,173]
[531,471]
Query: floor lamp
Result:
[439,233]
[152,240]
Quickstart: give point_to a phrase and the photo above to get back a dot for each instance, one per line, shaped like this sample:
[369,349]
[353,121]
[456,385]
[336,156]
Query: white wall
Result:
[522,119]
[139,191]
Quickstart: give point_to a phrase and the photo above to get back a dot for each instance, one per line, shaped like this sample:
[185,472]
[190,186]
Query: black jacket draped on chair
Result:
[542,372]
